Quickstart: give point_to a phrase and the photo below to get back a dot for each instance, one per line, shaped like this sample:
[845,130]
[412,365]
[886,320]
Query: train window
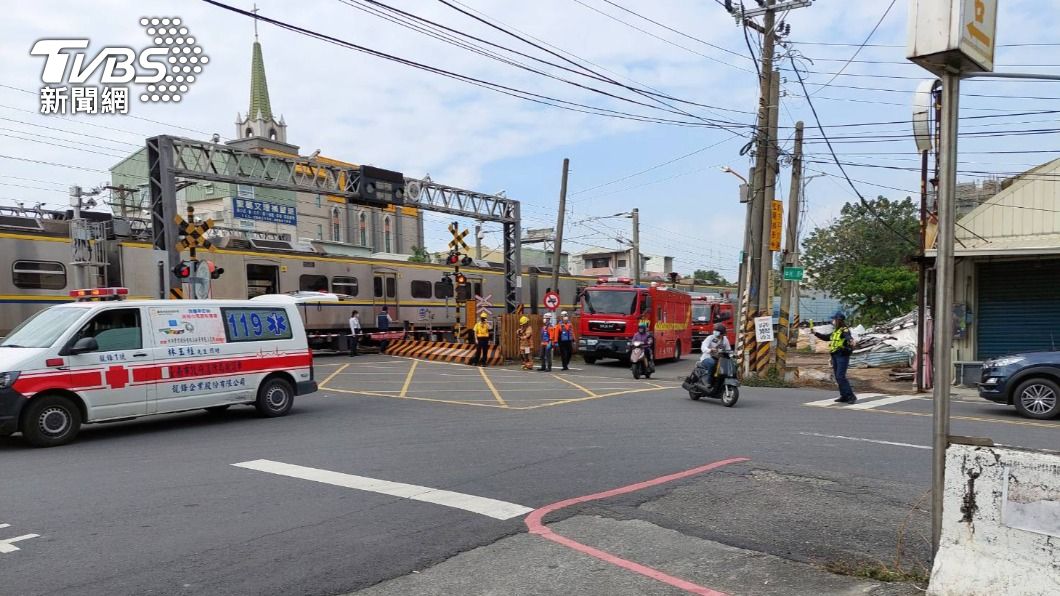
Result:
[421,289]
[378,287]
[478,288]
[344,285]
[463,293]
[391,287]
[443,290]
[313,283]
[39,275]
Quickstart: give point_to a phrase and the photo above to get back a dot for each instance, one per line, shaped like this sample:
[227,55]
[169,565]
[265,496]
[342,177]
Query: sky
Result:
[361,108]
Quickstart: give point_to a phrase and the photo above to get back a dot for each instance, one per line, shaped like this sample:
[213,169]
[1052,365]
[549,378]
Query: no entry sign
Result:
[551,300]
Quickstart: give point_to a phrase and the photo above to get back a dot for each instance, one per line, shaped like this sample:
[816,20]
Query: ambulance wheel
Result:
[275,398]
[589,359]
[51,421]
[217,409]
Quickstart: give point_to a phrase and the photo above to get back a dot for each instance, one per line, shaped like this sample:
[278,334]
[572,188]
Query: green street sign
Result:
[793,273]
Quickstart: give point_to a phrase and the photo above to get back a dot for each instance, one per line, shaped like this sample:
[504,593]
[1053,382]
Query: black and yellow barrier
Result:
[441,351]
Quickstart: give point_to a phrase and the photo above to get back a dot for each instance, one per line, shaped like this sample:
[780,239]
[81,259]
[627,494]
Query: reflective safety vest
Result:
[566,332]
[836,343]
[482,329]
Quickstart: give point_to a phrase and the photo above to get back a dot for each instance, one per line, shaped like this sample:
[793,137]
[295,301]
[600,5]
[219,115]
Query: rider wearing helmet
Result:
[715,343]
[644,335]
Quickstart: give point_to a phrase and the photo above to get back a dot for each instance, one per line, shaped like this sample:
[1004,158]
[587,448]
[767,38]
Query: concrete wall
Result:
[1001,523]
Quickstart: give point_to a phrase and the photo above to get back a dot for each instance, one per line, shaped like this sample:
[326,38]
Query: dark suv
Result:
[1030,381]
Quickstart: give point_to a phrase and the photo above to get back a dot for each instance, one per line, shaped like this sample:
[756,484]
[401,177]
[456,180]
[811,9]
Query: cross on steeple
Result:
[255,11]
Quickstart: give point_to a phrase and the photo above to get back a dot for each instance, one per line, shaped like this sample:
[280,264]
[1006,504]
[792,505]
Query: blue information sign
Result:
[264,211]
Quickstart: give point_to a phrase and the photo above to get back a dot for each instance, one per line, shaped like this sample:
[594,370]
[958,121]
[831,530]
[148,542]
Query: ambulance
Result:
[102,358]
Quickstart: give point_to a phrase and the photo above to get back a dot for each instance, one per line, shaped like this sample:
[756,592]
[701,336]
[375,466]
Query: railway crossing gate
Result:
[170,158]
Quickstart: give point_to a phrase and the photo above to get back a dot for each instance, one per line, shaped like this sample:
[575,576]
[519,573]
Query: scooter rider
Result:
[710,348]
[644,336]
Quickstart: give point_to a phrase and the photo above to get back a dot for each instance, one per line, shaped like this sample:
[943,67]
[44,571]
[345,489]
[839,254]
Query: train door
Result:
[262,279]
[384,293]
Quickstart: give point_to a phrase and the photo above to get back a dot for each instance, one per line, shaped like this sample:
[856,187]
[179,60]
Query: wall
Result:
[1001,523]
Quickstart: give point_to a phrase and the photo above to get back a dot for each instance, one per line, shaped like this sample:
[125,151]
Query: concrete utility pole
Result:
[478,242]
[765,297]
[636,246]
[789,248]
[760,263]
[557,244]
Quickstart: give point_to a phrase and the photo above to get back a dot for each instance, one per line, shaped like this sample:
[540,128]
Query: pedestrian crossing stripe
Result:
[866,401]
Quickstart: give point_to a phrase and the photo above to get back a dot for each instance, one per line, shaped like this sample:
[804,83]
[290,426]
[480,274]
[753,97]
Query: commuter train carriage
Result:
[35,271]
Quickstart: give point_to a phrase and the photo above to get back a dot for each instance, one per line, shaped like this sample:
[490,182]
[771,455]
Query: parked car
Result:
[1030,381]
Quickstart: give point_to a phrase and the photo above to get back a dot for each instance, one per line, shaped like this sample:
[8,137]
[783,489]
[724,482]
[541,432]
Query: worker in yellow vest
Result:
[840,346]
[482,340]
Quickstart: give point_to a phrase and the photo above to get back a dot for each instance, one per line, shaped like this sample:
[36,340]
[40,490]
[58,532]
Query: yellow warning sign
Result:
[776,225]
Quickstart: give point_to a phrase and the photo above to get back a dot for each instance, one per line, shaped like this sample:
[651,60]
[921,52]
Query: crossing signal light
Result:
[461,279]
[453,258]
[216,272]
[466,261]
[182,270]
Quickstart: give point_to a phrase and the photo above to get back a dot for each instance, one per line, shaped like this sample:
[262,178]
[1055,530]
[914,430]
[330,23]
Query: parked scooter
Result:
[640,364]
[722,385]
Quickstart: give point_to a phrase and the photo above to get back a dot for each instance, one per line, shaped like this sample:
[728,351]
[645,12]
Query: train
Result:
[36,253]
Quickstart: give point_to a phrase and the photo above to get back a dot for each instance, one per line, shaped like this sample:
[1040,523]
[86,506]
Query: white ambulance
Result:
[103,359]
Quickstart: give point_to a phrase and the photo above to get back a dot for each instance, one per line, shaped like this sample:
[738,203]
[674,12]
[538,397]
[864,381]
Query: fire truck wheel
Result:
[275,397]
[677,352]
[50,421]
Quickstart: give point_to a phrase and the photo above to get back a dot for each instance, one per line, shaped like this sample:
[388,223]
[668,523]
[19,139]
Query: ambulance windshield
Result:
[42,329]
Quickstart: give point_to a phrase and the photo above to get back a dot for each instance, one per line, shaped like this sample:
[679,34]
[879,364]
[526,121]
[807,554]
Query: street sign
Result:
[551,300]
[776,225]
[764,329]
[457,243]
[793,273]
[483,304]
[194,234]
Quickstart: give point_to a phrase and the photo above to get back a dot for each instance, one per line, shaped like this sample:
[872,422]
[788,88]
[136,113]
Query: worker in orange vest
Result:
[565,336]
[549,337]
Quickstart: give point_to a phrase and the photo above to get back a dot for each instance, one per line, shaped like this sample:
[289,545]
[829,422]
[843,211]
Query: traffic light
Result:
[182,270]
[461,279]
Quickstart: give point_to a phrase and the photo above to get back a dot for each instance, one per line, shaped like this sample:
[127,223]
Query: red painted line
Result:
[536,526]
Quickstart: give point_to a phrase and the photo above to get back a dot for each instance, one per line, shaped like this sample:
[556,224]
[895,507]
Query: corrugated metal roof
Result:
[1024,215]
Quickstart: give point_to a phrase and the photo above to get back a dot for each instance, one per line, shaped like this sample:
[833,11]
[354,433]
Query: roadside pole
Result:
[769,182]
[478,241]
[789,249]
[943,354]
[557,243]
[636,246]
[75,205]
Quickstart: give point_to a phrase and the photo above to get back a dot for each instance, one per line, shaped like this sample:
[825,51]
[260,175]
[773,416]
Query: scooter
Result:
[640,364]
[723,384]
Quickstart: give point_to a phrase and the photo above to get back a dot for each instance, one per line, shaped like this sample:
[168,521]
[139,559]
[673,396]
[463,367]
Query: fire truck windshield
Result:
[612,302]
[700,313]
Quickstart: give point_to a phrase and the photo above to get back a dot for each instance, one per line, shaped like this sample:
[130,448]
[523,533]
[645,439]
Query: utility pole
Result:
[636,246]
[772,151]
[478,241]
[789,248]
[557,244]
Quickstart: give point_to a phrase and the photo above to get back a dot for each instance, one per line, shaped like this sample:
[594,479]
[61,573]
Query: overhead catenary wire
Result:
[860,47]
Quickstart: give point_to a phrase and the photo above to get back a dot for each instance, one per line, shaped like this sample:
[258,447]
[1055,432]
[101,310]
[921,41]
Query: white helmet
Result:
[563,314]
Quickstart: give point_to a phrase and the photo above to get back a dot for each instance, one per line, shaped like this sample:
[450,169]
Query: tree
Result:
[710,277]
[419,255]
[865,263]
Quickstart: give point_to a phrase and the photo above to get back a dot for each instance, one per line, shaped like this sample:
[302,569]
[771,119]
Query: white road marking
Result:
[894,399]
[826,403]
[481,505]
[866,440]
[7,545]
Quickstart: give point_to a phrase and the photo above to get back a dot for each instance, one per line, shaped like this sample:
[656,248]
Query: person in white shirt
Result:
[355,332]
[711,346]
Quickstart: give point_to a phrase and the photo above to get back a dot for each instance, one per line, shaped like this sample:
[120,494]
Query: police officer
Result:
[382,323]
[840,346]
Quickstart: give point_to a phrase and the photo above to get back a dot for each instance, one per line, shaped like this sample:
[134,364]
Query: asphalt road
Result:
[157,506]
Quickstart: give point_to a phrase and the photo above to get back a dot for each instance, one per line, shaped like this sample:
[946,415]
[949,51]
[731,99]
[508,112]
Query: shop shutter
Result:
[1019,307]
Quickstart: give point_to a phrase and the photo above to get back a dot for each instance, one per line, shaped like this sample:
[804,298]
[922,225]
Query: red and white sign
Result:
[551,300]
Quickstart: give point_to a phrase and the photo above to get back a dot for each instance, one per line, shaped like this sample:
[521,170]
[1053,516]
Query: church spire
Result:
[259,87]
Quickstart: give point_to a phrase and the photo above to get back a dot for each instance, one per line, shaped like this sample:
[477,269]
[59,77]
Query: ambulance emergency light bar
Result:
[615,280]
[100,294]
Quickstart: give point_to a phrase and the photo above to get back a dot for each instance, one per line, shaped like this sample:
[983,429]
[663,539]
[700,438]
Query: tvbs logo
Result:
[164,71]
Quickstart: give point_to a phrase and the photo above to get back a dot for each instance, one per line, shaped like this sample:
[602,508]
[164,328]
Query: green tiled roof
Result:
[259,88]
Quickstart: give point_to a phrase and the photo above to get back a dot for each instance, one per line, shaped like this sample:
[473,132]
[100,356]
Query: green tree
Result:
[863,262]
[711,277]
[419,255]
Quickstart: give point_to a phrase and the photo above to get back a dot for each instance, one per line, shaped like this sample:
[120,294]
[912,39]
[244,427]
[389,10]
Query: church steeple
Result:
[260,121]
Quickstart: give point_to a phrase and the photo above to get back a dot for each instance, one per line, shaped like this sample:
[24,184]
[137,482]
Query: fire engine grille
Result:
[607,326]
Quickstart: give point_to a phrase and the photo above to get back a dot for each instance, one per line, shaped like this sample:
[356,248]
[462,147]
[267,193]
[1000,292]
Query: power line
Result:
[681,33]
[840,165]
[860,47]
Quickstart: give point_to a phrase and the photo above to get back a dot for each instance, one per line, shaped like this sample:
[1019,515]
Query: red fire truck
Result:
[611,310]
[708,311]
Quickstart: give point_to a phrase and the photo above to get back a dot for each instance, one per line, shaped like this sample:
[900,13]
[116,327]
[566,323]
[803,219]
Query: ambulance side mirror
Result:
[85,344]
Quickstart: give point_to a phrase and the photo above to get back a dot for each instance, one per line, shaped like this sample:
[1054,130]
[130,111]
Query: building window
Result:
[320,231]
[272,134]
[336,228]
[244,192]
[598,263]
[621,263]
[313,283]
[443,290]
[388,241]
[318,202]
[250,132]
[362,228]
[345,285]
[421,289]
[39,275]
